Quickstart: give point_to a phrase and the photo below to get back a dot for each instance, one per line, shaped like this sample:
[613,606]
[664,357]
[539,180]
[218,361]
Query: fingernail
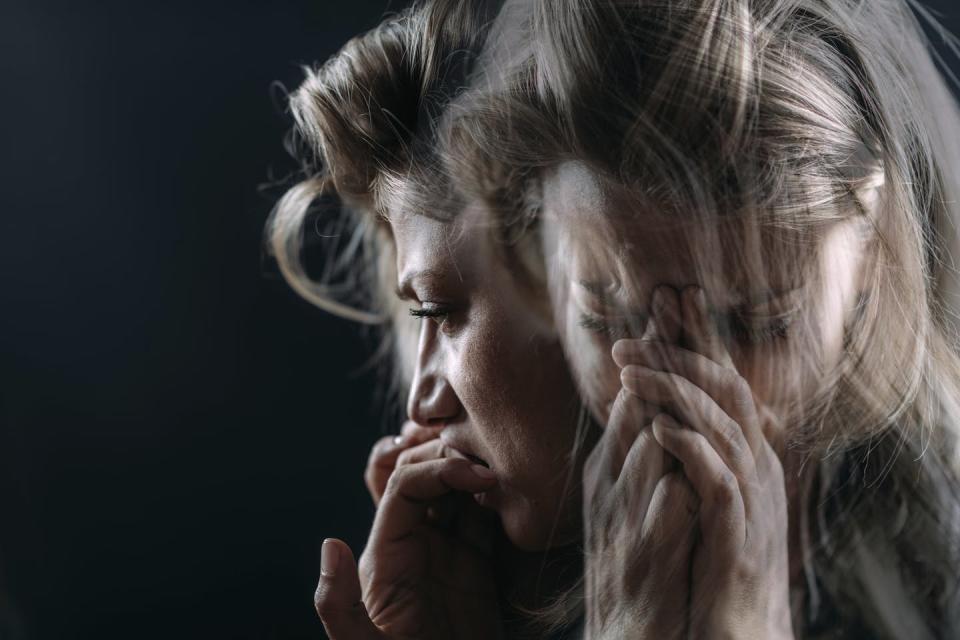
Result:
[329,557]
[482,472]
[397,440]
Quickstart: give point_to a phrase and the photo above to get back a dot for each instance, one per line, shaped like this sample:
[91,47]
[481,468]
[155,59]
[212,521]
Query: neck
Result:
[534,579]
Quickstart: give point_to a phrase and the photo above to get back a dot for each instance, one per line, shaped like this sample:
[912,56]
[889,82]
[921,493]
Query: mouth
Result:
[476,460]
[457,451]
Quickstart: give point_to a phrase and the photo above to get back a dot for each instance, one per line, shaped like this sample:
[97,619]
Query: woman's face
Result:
[490,370]
[781,300]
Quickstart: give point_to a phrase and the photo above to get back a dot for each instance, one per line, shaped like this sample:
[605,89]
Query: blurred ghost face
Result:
[490,371]
[780,299]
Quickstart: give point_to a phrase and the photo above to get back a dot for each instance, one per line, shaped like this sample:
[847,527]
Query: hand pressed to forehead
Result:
[682,398]
[668,375]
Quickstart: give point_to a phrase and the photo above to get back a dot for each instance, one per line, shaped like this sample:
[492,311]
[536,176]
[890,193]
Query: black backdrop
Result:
[178,431]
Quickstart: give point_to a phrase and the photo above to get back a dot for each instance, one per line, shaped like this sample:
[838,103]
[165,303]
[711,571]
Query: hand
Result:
[427,570]
[639,518]
[740,577]
[385,454]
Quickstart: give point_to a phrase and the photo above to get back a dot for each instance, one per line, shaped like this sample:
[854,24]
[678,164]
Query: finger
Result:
[669,535]
[643,468]
[671,521]
[724,385]
[338,598]
[723,512]
[431,450]
[412,488]
[380,464]
[384,454]
[665,317]
[692,406]
[699,329]
[628,416]
[412,433]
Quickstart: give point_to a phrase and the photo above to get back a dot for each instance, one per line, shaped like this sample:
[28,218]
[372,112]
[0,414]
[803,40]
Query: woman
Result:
[748,210]
[493,410]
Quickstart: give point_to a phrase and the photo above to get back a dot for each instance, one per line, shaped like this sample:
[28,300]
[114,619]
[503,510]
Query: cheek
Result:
[513,381]
[596,374]
[789,372]
[778,375]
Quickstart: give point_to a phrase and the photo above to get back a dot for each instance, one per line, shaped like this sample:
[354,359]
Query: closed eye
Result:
[434,312]
[753,330]
[613,328]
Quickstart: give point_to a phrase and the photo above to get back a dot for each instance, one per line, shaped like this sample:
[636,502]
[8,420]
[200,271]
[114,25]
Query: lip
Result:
[458,448]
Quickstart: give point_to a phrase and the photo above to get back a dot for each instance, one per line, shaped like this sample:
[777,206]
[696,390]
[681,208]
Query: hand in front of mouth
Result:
[417,579]
[389,451]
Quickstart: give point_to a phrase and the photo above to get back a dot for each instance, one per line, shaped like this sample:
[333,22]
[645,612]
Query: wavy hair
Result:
[795,113]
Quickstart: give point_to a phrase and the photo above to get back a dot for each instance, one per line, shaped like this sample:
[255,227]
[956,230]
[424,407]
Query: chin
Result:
[530,532]
[524,536]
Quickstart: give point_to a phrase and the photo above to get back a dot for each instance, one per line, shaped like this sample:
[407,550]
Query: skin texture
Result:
[712,337]
[490,374]
[809,282]
[490,386]
[643,517]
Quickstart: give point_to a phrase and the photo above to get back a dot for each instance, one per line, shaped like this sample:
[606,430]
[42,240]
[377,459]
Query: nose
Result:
[433,400]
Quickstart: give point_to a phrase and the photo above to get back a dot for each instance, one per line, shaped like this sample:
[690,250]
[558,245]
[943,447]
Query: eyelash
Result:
[777,329]
[733,326]
[600,326]
[439,314]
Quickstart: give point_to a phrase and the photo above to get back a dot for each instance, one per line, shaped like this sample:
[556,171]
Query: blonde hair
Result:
[368,123]
[797,110]
[365,124]
[800,112]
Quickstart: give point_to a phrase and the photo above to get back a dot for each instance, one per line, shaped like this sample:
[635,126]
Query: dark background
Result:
[178,431]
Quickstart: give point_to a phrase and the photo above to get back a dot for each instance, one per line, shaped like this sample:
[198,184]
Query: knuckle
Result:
[620,411]
[379,450]
[736,385]
[699,446]
[405,458]
[730,436]
[741,395]
[323,600]
[400,478]
[725,487]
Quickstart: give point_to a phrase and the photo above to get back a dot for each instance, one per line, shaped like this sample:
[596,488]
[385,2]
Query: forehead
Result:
[427,244]
[605,230]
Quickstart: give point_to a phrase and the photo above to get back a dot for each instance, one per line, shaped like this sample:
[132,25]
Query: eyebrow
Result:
[603,289]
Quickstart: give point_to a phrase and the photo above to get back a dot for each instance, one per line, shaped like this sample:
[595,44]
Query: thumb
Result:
[338,598]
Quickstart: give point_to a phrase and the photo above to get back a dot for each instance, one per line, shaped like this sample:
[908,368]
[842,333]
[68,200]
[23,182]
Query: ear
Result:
[869,195]
[864,243]
[867,247]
